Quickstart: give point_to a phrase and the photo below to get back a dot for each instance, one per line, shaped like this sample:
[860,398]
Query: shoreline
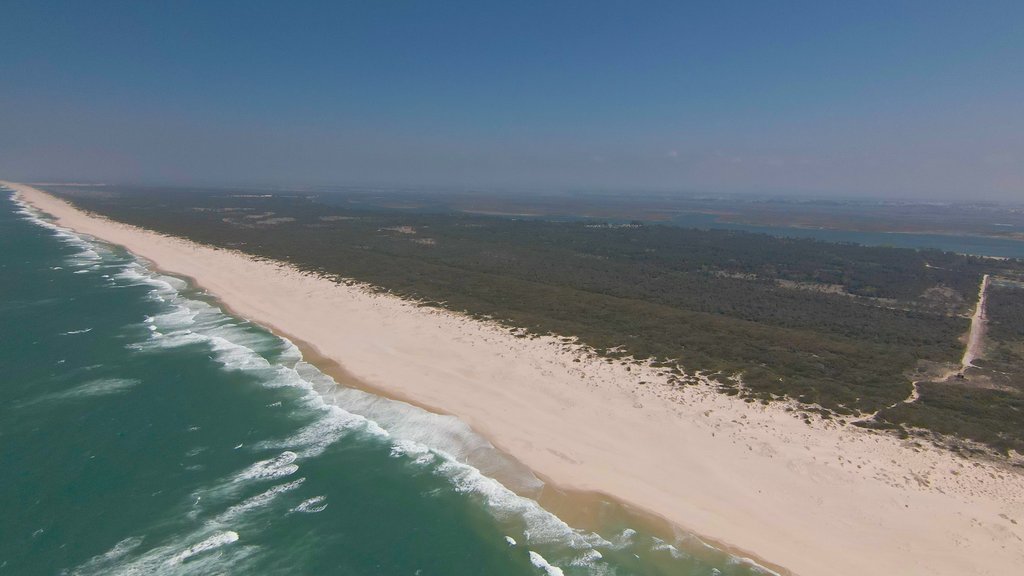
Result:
[578,508]
[815,498]
[563,501]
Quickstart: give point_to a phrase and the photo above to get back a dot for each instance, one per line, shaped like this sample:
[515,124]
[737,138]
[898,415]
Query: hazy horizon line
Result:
[538,189]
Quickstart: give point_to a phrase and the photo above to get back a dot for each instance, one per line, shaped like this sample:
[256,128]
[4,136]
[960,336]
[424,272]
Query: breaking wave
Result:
[220,514]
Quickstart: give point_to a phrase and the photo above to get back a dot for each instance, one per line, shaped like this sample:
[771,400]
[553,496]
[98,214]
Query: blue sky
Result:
[887,99]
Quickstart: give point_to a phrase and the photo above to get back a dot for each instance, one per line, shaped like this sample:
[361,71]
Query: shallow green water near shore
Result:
[145,431]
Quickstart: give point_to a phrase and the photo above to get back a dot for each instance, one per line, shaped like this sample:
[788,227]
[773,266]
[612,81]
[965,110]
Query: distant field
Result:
[776,215]
[838,326]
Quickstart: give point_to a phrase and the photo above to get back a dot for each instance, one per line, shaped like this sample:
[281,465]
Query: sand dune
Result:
[816,499]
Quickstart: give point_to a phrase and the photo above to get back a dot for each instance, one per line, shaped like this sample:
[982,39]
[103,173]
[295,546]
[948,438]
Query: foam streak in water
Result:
[442,445]
[215,541]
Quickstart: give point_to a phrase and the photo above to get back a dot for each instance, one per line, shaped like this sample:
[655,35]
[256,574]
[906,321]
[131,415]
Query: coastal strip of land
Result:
[808,495]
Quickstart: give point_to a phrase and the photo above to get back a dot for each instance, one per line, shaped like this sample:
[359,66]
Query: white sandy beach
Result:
[815,499]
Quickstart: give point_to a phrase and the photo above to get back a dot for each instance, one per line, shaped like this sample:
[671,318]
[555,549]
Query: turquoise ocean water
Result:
[145,431]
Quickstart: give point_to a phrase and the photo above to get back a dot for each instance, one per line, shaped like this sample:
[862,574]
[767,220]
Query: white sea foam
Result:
[87,257]
[258,501]
[314,438]
[423,437]
[291,355]
[218,494]
[754,566]
[662,546]
[271,469]
[540,562]
[107,559]
[543,527]
[624,539]
[418,453]
[311,505]
[190,555]
[215,541]
[73,332]
[588,558]
[442,444]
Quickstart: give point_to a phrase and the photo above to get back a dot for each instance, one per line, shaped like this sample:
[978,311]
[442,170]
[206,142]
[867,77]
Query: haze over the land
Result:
[912,99]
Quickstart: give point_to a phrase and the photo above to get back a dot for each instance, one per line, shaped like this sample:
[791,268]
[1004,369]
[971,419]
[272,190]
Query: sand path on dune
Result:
[976,336]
